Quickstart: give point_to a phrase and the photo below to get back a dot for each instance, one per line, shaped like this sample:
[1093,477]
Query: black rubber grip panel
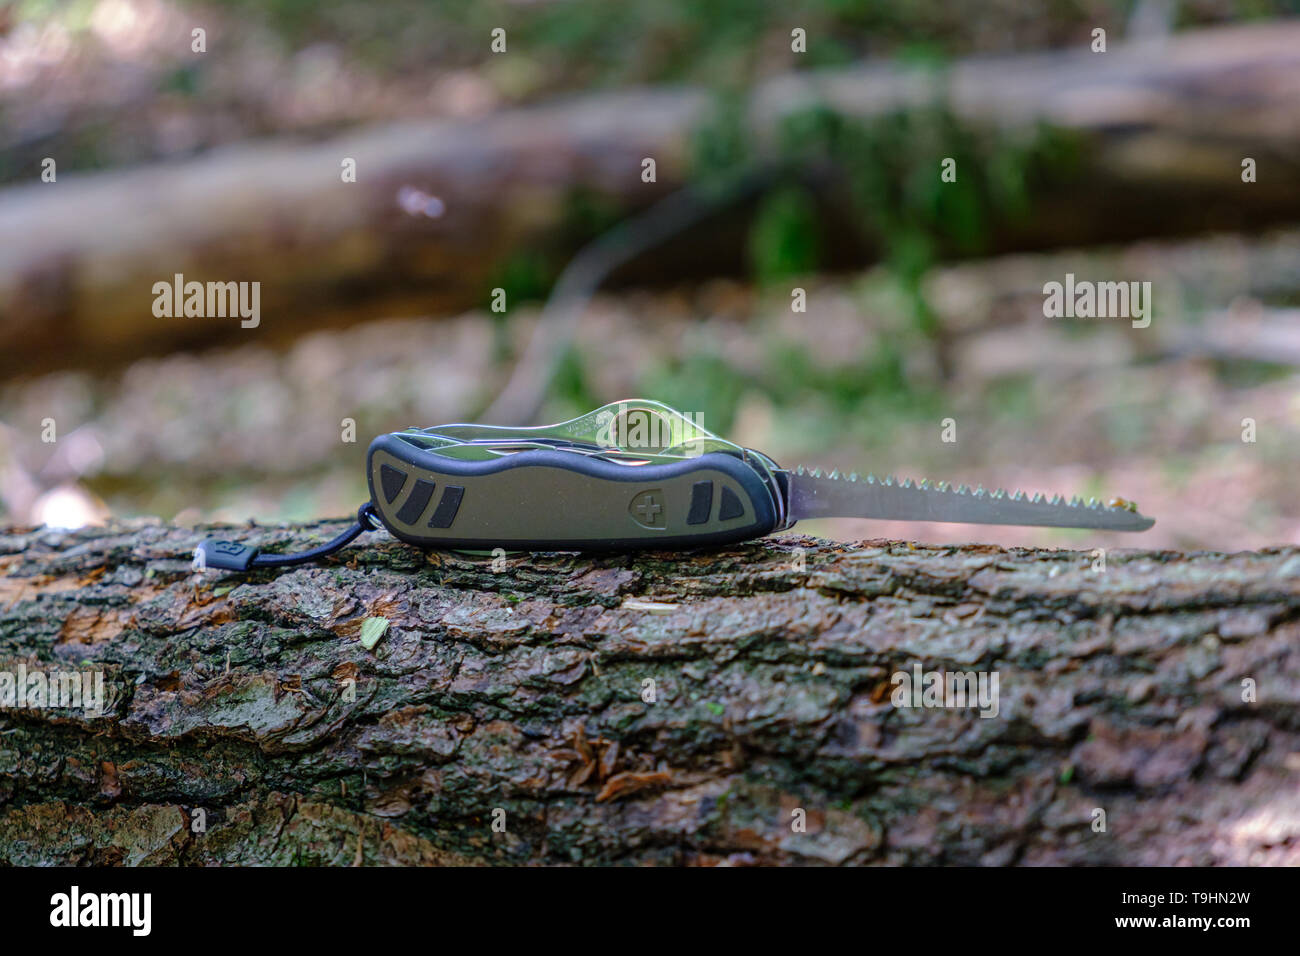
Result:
[415,502]
[701,503]
[540,500]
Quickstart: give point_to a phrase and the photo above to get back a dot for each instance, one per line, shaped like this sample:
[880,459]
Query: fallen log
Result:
[737,706]
[438,207]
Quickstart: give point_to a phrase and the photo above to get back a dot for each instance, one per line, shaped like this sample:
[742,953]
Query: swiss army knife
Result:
[634,475]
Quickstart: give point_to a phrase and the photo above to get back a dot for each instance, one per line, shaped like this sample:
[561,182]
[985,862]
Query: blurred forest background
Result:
[820,170]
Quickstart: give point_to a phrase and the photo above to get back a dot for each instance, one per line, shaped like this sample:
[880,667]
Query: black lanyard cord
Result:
[233,556]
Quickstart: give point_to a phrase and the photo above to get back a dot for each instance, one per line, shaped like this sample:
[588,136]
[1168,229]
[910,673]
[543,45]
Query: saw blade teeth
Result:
[923,499]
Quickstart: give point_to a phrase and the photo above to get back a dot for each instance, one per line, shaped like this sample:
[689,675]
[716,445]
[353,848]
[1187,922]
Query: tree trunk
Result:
[1167,127]
[731,706]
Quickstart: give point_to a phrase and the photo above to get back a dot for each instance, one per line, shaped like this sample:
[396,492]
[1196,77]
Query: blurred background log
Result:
[650,709]
[1165,123]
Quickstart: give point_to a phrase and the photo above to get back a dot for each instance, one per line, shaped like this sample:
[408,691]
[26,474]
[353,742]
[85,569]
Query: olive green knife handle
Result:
[540,500]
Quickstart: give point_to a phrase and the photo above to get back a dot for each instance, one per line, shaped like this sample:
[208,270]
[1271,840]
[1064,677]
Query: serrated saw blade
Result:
[813,495]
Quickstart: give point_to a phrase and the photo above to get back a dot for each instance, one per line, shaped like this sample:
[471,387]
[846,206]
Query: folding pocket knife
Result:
[638,474]
[633,475]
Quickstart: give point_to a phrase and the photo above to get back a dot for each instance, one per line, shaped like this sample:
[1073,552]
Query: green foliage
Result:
[701,380]
[587,215]
[592,43]
[570,388]
[785,239]
[721,146]
[874,391]
[525,276]
[893,165]
[876,380]
[184,81]
[1013,396]
[890,167]
[720,43]
[528,274]
[1251,373]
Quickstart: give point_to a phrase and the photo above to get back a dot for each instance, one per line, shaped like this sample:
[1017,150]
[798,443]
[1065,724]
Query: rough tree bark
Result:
[1167,125]
[523,690]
